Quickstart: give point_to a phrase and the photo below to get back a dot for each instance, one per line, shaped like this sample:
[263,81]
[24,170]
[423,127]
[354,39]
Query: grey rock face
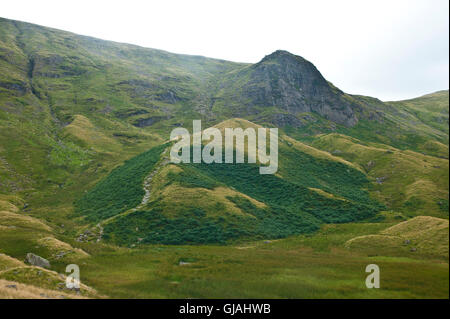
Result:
[20,88]
[36,260]
[144,122]
[294,84]
[284,119]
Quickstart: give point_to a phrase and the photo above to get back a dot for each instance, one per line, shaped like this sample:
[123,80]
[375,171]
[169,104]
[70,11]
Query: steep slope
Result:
[403,127]
[21,234]
[215,203]
[73,108]
[406,181]
[289,83]
[51,76]
[431,109]
[83,124]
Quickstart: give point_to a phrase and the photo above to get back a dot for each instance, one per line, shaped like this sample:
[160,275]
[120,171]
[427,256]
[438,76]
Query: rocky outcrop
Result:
[149,121]
[36,260]
[293,84]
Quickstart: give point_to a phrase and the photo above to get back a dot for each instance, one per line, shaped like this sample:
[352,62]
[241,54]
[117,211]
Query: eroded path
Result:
[148,180]
[96,233]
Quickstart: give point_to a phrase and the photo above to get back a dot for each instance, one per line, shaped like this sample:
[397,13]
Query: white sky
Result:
[392,49]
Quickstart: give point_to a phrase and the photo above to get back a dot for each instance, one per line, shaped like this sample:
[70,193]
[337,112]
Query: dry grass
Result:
[318,153]
[45,279]
[56,246]
[411,181]
[426,188]
[234,123]
[82,129]
[7,206]
[177,196]
[429,232]
[325,194]
[15,290]
[18,220]
[421,235]
[7,262]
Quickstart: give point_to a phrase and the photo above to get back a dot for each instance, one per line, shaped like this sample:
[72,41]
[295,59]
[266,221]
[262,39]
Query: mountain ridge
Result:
[84,178]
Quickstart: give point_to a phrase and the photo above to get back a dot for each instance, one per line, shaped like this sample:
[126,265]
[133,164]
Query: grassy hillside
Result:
[21,234]
[121,190]
[83,127]
[423,235]
[215,203]
[431,109]
[405,181]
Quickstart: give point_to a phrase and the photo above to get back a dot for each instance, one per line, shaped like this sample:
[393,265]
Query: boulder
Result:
[36,260]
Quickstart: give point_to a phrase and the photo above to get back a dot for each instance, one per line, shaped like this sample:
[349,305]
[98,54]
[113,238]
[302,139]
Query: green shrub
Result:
[121,189]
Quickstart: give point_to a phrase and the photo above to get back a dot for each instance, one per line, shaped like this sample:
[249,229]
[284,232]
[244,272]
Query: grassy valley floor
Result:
[317,266]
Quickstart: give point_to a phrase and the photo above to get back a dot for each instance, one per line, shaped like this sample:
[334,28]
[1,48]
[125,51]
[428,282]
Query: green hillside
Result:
[85,177]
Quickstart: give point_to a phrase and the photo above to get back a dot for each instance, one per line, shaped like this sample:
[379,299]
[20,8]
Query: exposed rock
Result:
[182,263]
[19,88]
[36,260]
[293,84]
[89,235]
[149,121]
[60,254]
[284,119]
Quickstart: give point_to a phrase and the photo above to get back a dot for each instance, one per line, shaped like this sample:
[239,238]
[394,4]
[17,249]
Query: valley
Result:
[85,177]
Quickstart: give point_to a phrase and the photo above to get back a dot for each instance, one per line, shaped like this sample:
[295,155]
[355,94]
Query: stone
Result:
[182,263]
[60,254]
[38,261]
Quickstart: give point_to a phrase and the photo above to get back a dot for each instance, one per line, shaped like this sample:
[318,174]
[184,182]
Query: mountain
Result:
[84,173]
[289,83]
[69,74]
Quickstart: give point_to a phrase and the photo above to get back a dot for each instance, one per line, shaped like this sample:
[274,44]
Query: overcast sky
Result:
[392,50]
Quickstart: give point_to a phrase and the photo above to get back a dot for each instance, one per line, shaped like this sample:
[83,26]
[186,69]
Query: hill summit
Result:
[293,85]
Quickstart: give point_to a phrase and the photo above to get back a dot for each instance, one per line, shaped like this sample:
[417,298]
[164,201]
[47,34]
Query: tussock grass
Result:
[305,266]
[7,262]
[56,246]
[11,219]
[81,128]
[44,278]
[14,290]
[421,235]
[407,181]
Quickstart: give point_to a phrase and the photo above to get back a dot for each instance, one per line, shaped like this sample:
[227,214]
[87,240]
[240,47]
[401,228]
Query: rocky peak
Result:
[282,56]
[293,84]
